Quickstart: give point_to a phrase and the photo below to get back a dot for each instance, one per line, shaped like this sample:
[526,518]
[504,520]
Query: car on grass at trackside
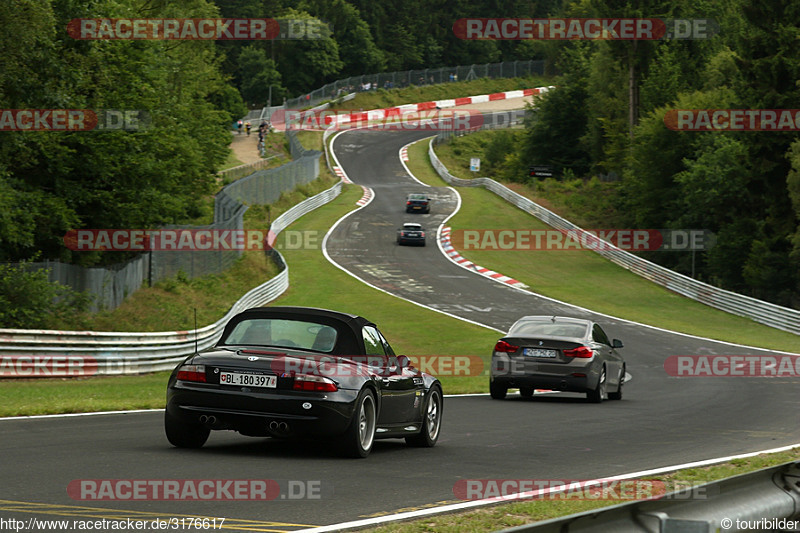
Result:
[557,353]
[411,233]
[418,203]
[302,372]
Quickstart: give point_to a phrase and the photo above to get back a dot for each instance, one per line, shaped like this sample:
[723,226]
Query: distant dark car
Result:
[557,353]
[411,233]
[298,371]
[418,203]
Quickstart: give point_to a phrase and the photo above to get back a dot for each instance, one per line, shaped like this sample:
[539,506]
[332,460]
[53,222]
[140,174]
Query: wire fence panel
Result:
[109,285]
[433,76]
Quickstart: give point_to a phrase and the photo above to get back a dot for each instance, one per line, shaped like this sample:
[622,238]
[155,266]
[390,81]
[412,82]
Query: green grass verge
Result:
[313,282]
[584,278]
[589,204]
[506,515]
[381,98]
[82,395]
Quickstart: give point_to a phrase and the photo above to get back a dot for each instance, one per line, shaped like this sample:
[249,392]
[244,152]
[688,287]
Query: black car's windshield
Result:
[551,329]
[283,333]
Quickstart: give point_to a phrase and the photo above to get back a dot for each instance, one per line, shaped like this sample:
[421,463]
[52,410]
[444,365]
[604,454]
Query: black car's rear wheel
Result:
[600,393]
[360,434]
[183,434]
[431,421]
[497,391]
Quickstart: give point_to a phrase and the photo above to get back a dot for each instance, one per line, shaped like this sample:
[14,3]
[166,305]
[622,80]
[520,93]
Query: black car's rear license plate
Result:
[538,352]
[248,380]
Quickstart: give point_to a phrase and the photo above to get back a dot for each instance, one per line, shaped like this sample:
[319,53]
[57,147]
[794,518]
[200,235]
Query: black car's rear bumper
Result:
[411,240]
[253,412]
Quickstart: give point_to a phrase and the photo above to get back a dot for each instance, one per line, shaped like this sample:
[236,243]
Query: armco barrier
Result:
[757,501]
[766,313]
[135,353]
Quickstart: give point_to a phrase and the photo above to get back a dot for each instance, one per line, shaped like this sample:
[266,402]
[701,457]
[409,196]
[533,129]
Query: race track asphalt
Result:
[661,421]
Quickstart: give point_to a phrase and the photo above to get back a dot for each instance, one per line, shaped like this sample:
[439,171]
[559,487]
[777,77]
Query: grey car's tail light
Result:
[583,352]
[503,346]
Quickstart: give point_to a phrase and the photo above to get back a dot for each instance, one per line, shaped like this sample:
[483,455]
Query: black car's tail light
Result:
[192,373]
[583,352]
[306,382]
[503,346]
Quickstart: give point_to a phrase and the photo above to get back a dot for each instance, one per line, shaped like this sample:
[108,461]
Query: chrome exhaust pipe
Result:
[203,419]
[283,426]
[273,426]
[212,420]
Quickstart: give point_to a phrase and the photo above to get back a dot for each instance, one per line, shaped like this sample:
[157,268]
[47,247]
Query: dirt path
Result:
[245,147]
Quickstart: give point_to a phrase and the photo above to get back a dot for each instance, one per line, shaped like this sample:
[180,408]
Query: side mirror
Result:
[616,343]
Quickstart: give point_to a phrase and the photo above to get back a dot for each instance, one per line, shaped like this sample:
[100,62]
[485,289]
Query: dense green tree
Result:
[258,73]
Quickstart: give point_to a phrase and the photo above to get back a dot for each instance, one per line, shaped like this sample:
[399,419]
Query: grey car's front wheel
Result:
[600,393]
[618,395]
[360,434]
[431,421]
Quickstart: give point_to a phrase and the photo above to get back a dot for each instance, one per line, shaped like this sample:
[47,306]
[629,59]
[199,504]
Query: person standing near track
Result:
[247,127]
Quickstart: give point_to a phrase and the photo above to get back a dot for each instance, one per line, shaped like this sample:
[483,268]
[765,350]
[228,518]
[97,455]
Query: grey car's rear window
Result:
[549,328]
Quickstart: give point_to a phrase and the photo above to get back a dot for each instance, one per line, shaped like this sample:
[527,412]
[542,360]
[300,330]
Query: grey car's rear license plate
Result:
[538,352]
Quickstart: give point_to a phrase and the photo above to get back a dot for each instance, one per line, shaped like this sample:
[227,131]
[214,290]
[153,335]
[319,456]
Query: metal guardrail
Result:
[135,353]
[763,312]
[765,500]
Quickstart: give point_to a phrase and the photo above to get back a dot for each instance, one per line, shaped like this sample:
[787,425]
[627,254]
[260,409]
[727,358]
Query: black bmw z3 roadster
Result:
[303,372]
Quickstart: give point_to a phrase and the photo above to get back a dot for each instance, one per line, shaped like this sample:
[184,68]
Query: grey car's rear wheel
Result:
[360,434]
[618,395]
[526,392]
[600,393]
[183,434]
[497,391]
[431,421]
